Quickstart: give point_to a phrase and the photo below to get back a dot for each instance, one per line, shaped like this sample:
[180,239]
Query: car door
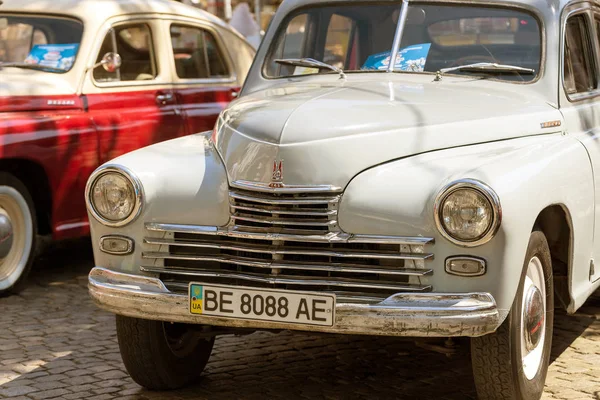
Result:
[204,75]
[133,105]
[580,105]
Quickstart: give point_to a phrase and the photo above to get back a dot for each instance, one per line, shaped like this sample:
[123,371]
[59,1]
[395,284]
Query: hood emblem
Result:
[277,176]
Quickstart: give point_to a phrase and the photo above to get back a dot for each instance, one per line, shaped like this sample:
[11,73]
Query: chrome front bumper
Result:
[403,314]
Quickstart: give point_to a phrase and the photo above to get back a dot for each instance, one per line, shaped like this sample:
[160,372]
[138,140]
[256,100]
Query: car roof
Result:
[541,5]
[95,12]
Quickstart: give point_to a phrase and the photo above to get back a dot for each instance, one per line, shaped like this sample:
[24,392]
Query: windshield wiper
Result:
[31,66]
[310,63]
[488,67]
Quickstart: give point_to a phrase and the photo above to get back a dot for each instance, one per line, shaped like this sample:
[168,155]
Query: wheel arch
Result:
[555,222]
[34,177]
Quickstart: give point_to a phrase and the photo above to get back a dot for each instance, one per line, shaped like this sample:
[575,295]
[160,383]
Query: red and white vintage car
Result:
[83,81]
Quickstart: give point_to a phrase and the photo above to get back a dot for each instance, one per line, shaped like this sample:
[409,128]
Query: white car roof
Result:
[96,12]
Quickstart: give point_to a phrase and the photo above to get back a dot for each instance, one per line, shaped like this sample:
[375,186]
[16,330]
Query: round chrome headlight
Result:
[468,213]
[113,196]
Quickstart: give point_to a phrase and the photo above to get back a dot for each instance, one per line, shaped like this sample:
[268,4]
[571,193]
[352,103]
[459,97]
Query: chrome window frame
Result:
[586,10]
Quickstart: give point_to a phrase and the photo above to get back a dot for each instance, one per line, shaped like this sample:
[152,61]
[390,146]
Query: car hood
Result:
[327,132]
[27,90]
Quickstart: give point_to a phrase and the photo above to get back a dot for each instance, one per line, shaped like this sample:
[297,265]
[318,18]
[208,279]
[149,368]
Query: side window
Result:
[134,44]
[197,54]
[337,41]
[291,45]
[579,71]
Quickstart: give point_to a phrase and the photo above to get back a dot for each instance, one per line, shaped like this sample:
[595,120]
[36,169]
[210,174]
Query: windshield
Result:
[360,37]
[46,43]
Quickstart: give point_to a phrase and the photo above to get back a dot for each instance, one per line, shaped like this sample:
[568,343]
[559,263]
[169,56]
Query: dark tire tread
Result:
[490,356]
[149,360]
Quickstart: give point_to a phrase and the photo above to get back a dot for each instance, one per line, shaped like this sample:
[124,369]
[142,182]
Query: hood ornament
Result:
[277,176]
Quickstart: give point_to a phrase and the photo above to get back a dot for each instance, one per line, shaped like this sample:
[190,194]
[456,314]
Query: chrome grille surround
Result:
[288,241]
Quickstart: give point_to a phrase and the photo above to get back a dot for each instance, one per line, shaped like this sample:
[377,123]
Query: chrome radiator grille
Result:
[292,211]
[288,242]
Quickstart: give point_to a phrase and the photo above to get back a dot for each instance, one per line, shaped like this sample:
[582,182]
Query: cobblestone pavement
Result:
[55,344]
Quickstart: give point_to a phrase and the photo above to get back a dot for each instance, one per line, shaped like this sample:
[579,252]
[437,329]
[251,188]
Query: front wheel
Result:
[162,355]
[512,362]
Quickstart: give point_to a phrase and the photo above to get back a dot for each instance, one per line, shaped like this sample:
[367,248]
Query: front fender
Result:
[528,174]
[183,182]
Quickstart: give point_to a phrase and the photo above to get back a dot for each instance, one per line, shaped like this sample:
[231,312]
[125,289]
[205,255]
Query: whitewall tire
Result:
[512,363]
[17,234]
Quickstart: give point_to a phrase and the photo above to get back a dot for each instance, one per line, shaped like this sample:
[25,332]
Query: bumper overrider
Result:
[402,314]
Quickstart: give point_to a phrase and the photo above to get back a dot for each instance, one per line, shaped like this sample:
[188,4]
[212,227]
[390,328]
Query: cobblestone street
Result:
[54,343]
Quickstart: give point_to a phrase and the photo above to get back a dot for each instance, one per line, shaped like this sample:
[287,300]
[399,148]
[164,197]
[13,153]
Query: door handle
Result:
[165,98]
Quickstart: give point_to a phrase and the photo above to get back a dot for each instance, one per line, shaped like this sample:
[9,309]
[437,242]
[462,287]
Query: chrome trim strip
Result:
[291,265]
[287,201]
[402,314]
[287,280]
[280,251]
[331,237]
[137,187]
[482,188]
[264,187]
[383,239]
[311,212]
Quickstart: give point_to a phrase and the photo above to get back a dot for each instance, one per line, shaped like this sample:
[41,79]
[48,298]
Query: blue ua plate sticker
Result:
[196,300]
[411,58]
[60,56]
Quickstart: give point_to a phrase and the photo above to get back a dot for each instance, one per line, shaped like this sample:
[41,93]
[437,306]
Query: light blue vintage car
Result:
[426,169]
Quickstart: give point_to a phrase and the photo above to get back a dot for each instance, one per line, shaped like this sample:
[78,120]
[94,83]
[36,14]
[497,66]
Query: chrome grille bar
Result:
[285,221]
[256,198]
[278,250]
[283,211]
[331,237]
[288,280]
[291,265]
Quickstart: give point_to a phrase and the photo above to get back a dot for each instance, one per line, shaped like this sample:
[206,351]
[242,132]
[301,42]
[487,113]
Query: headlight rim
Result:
[483,189]
[137,188]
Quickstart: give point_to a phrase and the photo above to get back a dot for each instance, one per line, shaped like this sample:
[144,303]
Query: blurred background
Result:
[249,17]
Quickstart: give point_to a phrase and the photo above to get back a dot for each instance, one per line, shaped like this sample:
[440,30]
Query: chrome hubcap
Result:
[6,234]
[533,318]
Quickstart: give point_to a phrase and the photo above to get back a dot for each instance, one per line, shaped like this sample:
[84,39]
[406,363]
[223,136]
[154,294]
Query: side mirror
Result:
[111,61]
